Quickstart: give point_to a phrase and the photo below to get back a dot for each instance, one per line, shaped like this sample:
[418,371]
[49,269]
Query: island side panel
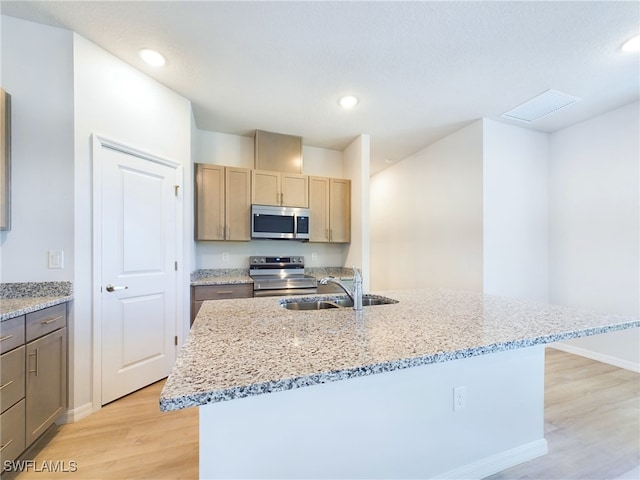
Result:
[399,424]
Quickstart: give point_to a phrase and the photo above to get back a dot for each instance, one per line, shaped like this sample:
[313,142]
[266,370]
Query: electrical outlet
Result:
[459,398]
[56,259]
[314,256]
[225,256]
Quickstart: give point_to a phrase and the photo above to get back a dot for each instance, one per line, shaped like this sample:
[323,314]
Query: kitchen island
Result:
[378,398]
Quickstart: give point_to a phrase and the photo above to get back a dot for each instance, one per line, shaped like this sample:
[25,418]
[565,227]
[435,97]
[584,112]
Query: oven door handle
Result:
[285,292]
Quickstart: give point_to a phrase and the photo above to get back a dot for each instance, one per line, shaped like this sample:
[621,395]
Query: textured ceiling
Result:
[420,69]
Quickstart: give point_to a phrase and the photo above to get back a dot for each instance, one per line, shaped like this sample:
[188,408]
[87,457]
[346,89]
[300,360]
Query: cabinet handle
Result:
[326,233]
[6,337]
[2,447]
[6,384]
[330,234]
[221,230]
[282,199]
[225,293]
[36,355]
[47,322]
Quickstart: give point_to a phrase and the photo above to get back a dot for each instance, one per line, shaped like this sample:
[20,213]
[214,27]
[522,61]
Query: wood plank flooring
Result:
[592,424]
[127,439]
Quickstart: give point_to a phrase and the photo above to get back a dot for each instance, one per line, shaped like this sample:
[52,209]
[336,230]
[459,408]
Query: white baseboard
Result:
[497,463]
[75,414]
[599,357]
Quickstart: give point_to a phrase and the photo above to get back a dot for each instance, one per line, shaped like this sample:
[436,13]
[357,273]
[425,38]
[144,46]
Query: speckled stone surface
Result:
[220,276]
[238,348]
[25,297]
[338,272]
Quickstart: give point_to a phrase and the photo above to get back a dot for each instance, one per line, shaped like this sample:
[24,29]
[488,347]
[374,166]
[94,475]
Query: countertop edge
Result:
[199,399]
[49,302]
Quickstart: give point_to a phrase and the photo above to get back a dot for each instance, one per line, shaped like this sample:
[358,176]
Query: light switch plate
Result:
[56,259]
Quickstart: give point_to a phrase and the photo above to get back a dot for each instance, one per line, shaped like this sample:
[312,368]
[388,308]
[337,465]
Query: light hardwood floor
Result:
[592,413]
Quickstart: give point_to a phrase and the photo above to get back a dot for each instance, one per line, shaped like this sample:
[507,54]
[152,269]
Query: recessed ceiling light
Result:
[388,160]
[348,101]
[151,57]
[632,45]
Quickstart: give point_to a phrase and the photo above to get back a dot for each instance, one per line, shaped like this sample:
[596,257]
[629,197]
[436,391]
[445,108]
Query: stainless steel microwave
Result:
[282,223]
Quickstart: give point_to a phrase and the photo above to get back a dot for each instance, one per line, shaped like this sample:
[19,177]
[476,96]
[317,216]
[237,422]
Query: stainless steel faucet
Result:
[356,294]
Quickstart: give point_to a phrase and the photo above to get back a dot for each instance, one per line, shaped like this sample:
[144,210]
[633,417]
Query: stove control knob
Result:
[263,260]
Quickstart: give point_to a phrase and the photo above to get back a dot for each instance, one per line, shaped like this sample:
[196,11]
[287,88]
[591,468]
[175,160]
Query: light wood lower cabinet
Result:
[330,205]
[33,377]
[201,293]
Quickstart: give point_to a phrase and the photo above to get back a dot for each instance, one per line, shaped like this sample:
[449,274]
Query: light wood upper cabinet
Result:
[279,189]
[223,203]
[330,205]
[278,152]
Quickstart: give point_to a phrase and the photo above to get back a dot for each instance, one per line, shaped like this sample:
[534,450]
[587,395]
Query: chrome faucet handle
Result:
[357,276]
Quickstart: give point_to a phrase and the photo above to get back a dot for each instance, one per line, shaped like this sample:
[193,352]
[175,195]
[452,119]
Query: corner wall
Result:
[515,211]
[595,227]
[426,221]
[117,101]
[37,71]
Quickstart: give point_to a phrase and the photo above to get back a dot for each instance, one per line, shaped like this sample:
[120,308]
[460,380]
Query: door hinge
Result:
[175,340]
[177,189]
[175,264]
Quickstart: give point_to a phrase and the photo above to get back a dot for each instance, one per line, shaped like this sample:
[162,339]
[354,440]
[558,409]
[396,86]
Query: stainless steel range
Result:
[280,276]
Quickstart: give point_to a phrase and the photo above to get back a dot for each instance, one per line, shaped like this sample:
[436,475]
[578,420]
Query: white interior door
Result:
[139,281]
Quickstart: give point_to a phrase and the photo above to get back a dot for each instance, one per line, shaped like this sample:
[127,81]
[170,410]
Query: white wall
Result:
[357,169]
[595,226]
[37,70]
[515,211]
[120,103]
[426,217]
[225,149]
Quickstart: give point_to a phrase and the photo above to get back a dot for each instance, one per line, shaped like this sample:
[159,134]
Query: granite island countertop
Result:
[244,347]
[18,299]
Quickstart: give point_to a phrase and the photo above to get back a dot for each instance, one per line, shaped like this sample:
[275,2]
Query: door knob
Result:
[113,288]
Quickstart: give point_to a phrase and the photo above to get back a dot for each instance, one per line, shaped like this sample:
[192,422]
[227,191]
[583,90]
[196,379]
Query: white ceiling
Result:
[420,69]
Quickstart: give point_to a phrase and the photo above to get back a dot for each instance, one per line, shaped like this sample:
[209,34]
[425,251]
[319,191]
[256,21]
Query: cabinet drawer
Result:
[12,377]
[46,320]
[12,432]
[219,292]
[11,334]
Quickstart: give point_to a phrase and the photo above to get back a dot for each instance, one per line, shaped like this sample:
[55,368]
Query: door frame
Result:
[98,142]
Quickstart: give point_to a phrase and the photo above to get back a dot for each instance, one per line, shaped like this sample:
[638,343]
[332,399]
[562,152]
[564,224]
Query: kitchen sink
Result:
[310,305]
[341,302]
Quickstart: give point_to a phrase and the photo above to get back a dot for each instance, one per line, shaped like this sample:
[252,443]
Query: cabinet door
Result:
[265,187]
[295,190]
[12,442]
[46,394]
[209,202]
[11,377]
[319,207]
[340,210]
[238,203]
